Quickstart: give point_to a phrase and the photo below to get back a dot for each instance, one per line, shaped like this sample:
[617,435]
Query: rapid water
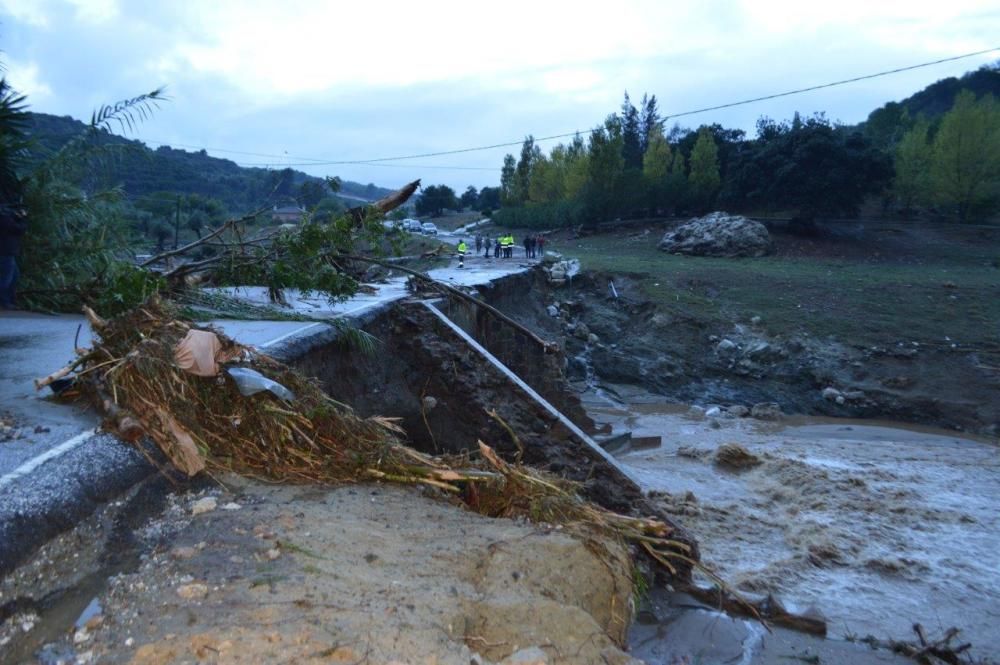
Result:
[874,525]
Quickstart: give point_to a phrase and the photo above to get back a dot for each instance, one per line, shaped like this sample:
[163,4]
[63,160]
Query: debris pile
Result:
[292,431]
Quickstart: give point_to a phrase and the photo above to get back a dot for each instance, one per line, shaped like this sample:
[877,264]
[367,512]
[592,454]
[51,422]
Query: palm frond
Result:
[128,112]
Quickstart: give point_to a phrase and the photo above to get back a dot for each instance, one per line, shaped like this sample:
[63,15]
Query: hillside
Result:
[141,170]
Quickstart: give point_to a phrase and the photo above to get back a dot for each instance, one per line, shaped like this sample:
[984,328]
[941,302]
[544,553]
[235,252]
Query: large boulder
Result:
[718,234]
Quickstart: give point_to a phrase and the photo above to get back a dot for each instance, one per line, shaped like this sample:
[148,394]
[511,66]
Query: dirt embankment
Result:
[367,573]
[629,340]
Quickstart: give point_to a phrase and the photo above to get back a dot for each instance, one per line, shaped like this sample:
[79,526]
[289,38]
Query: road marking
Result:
[50,454]
[291,334]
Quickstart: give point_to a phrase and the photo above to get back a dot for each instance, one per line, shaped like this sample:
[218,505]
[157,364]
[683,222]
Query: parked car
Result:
[412,225]
[429,228]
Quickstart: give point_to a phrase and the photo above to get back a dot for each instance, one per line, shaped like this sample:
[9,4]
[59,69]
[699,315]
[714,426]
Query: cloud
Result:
[26,79]
[363,80]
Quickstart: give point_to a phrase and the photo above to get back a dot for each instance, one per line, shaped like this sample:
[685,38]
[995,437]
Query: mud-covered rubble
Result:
[628,340]
[368,572]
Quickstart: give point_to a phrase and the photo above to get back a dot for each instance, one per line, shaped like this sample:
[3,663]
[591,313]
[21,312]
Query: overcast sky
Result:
[300,81]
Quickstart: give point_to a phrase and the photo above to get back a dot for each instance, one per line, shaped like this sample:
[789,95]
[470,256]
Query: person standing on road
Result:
[496,248]
[13,224]
[527,246]
[462,249]
[479,243]
[489,247]
[540,244]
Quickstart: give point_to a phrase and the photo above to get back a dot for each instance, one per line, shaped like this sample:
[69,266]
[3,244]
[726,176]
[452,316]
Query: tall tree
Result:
[965,173]
[656,169]
[913,156]
[310,193]
[508,173]
[704,179]
[650,122]
[522,174]
[436,199]
[631,130]
[605,166]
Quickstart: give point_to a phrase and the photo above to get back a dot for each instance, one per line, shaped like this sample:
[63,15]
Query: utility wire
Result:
[665,118]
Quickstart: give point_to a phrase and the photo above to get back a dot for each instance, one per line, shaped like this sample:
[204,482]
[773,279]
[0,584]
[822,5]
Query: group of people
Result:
[503,246]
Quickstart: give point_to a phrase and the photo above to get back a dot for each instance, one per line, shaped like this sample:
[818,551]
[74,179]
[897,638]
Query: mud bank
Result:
[368,573]
[686,359]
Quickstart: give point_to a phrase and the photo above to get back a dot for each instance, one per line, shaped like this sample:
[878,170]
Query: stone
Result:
[854,395]
[755,320]
[194,591]
[551,257]
[529,656]
[183,552]
[766,411]
[81,636]
[232,505]
[831,394]
[552,310]
[429,403]
[718,234]
[593,339]
[725,346]
[713,411]
[738,411]
[759,350]
[205,505]
[273,553]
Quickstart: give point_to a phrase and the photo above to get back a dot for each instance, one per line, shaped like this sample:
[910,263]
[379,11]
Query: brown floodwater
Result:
[875,525]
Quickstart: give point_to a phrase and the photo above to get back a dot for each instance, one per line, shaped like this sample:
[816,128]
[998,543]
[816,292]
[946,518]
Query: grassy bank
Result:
[935,287]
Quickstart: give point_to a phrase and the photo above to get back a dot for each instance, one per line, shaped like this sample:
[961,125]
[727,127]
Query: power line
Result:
[665,118]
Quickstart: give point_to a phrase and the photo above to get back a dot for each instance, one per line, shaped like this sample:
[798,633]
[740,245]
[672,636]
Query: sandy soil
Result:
[375,574]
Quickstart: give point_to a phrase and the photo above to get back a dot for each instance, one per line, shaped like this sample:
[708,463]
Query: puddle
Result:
[875,525]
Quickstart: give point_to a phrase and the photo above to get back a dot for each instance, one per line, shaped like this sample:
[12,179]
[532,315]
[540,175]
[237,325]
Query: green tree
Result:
[605,166]
[530,154]
[965,173]
[311,192]
[913,157]
[508,196]
[436,199]
[656,165]
[470,197]
[631,130]
[13,140]
[704,179]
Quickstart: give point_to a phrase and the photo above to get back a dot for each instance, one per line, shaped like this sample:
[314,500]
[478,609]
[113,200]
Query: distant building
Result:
[287,214]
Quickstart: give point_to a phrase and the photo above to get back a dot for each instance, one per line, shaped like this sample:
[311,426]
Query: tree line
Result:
[808,168]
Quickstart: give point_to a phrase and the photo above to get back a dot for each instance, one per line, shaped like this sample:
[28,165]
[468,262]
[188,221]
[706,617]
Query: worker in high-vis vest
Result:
[462,249]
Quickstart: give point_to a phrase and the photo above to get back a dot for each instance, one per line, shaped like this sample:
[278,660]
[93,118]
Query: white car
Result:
[429,228]
[411,225]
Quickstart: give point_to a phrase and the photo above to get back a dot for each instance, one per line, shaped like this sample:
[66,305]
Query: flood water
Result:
[874,525]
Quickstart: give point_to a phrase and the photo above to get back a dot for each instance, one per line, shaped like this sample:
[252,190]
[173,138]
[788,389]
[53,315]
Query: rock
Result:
[755,320]
[854,395]
[232,506]
[183,552]
[737,411]
[81,636]
[551,257]
[840,399]
[429,403]
[766,411]
[273,553]
[529,656]
[718,234]
[725,346]
[194,591]
[552,310]
[735,456]
[831,394]
[205,505]
[713,411]
[593,339]
[581,331]
[759,350]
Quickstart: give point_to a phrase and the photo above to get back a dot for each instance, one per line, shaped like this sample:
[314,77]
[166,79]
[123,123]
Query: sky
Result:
[300,82]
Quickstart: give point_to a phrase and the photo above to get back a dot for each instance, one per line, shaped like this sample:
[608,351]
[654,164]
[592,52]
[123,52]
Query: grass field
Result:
[932,287]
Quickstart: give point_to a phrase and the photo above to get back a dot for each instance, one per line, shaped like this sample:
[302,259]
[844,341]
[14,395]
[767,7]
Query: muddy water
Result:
[874,525]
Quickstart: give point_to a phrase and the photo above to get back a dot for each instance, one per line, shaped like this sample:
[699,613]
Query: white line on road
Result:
[52,453]
[291,334]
